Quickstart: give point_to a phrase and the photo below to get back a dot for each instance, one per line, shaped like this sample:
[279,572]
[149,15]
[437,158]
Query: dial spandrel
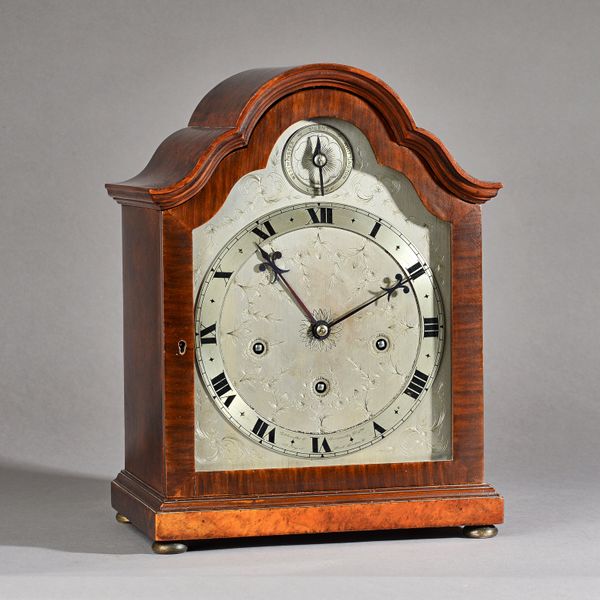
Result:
[298,361]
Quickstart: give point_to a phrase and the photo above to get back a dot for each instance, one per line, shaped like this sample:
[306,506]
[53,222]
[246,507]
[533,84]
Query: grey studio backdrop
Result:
[89,89]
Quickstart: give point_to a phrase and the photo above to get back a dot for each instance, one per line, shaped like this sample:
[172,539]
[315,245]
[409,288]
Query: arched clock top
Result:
[225,118]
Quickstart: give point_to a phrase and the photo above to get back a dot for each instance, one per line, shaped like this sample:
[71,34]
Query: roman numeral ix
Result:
[207,335]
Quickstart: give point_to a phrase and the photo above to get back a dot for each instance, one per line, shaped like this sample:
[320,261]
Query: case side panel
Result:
[467,344]
[142,332]
[179,323]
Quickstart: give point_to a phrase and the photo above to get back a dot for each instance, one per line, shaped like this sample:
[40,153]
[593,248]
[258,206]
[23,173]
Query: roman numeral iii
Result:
[431,327]
[325,215]
[417,384]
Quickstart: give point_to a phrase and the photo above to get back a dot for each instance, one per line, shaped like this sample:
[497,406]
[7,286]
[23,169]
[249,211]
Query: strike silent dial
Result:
[317,159]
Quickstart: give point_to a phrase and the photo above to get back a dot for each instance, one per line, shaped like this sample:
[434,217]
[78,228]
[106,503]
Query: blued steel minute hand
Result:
[399,285]
[269,263]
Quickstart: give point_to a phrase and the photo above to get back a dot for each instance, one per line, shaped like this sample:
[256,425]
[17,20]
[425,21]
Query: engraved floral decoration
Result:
[429,432]
[268,187]
[332,269]
[218,448]
[368,189]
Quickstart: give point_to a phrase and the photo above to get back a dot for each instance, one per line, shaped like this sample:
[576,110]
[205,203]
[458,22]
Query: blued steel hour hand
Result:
[277,275]
[387,291]
[269,263]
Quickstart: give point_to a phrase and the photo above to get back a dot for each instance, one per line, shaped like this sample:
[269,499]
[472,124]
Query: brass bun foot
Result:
[169,548]
[121,518]
[480,532]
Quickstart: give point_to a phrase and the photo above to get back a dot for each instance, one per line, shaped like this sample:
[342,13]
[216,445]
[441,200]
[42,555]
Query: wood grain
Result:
[306,513]
[142,344]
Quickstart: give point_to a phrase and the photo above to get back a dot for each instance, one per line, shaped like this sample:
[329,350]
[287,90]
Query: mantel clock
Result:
[302,319]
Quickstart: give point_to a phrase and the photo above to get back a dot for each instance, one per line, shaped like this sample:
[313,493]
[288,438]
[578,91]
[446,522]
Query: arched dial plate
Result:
[257,354]
[317,159]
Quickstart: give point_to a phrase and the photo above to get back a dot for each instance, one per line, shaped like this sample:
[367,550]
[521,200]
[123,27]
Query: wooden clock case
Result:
[231,133]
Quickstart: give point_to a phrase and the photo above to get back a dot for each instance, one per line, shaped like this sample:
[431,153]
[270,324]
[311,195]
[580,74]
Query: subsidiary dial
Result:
[317,159]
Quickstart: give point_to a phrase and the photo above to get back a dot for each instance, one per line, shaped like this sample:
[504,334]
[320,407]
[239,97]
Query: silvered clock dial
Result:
[319,329]
[319,313]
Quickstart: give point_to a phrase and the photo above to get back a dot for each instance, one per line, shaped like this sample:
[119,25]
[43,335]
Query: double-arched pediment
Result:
[225,118]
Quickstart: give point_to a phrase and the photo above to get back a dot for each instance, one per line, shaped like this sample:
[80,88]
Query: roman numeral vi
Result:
[320,445]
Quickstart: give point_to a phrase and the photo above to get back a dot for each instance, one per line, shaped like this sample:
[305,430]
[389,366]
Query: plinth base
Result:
[168,520]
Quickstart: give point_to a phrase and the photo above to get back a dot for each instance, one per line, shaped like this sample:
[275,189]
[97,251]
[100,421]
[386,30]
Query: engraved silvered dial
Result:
[319,330]
[317,159]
